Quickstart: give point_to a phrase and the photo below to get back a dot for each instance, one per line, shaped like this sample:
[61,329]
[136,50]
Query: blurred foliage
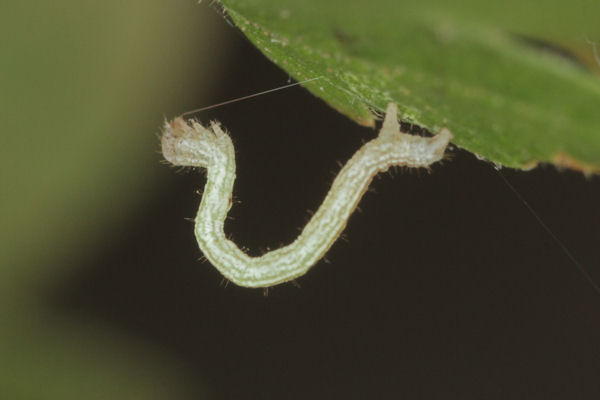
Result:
[515,81]
[85,85]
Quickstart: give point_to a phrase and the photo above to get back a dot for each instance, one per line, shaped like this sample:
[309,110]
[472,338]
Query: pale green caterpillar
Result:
[188,143]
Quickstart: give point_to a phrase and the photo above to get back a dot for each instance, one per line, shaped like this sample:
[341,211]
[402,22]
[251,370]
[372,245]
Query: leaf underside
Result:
[497,75]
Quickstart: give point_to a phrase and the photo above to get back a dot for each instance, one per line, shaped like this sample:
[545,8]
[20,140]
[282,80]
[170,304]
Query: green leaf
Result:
[495,74]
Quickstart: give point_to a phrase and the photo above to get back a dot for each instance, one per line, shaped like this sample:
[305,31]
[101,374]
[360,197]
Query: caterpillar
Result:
[189,143]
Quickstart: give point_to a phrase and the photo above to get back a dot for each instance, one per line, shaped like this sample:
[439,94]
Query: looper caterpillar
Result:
[188,143]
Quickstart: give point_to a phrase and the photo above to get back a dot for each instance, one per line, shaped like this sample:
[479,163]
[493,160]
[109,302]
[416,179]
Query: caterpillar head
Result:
[189,143]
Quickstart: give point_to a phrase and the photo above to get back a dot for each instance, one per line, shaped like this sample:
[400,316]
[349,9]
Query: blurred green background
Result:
[85,85]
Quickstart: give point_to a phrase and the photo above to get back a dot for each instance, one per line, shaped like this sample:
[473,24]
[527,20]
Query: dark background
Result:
[445,287]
